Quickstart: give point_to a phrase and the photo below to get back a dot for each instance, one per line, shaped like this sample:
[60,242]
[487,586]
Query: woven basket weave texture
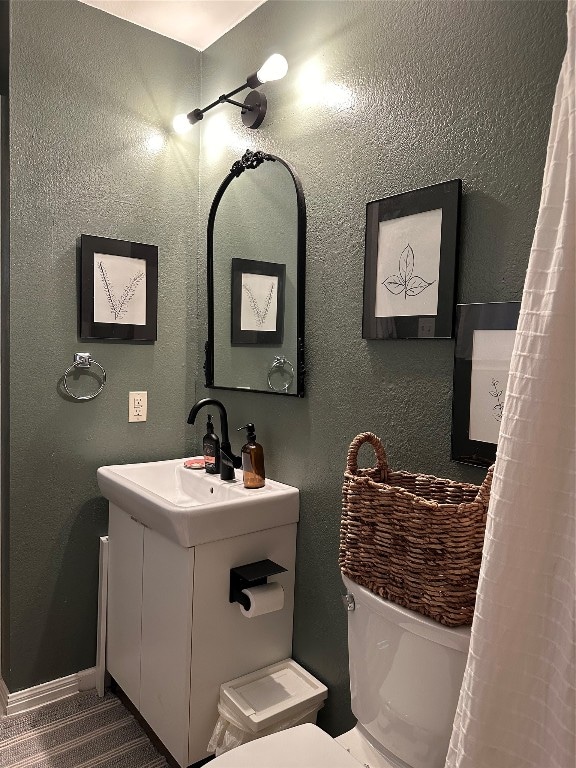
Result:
[413,539]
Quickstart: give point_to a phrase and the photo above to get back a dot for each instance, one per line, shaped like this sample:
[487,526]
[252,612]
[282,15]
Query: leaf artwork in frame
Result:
[257,302]
[260,314]
[410,263]
[490,362]
[119,289]
[485,340]
[119,306]
[406,281]
[497,391]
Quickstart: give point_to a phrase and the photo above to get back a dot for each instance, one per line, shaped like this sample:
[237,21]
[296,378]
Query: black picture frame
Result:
[241,294]
[445,197]
[250,162]
[118,296]
[495,316]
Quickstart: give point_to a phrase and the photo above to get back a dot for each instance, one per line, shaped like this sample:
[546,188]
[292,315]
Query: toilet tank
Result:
[405,676]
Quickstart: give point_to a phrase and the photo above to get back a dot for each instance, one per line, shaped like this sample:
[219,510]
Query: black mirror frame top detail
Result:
[251,161]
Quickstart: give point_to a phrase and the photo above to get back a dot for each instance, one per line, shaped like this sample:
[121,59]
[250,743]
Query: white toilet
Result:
[405,677]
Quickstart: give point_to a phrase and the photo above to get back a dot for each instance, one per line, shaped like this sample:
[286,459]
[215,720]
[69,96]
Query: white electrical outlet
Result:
[137,406]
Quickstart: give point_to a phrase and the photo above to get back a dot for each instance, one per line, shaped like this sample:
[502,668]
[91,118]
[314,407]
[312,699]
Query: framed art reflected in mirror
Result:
[257,302]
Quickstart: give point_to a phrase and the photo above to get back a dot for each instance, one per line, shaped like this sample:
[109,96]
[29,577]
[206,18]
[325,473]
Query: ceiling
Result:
[197,23]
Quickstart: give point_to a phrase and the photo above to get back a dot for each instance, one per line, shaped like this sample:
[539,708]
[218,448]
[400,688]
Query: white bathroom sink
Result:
[192,507]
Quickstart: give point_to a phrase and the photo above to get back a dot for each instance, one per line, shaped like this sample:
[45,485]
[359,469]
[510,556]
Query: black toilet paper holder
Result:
[251,575]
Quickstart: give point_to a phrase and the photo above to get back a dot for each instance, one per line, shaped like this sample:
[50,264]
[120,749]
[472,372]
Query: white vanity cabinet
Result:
[124,624]
[173,635]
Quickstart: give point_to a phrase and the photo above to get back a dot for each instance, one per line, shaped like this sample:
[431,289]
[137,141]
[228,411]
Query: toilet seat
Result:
[304,746]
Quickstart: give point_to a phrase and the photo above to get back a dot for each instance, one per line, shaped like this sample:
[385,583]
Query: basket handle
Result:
[376,443]
[484,491]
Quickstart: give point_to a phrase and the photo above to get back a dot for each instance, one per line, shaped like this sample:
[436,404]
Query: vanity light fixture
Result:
[254,107]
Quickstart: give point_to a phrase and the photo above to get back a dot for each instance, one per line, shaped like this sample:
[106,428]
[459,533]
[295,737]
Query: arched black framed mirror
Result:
[256,279]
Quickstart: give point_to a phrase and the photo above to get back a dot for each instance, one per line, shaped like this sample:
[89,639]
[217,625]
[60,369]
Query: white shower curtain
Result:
[517,703]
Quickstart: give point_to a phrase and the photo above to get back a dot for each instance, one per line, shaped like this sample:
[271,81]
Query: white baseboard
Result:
[87,679]
[45,693]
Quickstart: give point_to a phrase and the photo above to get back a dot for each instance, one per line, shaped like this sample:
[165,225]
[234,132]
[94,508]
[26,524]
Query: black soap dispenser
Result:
[211,449]
[252,460]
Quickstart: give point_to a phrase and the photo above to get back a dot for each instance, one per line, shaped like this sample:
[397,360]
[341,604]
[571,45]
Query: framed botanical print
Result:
[257,302]
[485,336]
[410,263]
[118,289]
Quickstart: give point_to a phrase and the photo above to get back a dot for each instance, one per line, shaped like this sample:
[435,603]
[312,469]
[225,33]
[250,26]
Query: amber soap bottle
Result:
[252,460]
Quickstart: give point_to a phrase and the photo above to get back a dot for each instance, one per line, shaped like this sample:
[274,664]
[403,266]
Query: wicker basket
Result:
[413,539]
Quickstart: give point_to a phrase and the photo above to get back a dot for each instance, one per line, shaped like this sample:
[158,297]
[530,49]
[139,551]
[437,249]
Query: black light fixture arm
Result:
[238,104]
[198,114]
[253,110]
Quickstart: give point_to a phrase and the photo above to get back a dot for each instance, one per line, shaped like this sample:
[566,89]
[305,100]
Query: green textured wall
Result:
[435,91]
[87,91]
[397,95]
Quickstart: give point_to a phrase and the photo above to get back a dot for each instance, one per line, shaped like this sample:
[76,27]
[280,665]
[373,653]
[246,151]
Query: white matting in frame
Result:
[491,355]
[119,289]
[408,265]
[259,307]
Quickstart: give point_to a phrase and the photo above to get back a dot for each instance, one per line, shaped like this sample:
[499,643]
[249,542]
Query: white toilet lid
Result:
[305,746]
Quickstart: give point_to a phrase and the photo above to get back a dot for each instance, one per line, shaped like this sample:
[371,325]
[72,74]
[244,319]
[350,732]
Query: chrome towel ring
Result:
[281,365]
[83,360]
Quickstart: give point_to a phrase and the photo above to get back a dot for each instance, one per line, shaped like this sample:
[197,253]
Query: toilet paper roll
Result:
[264,599]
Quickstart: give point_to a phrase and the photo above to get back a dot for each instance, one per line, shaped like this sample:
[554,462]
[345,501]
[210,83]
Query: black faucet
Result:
[227,459]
